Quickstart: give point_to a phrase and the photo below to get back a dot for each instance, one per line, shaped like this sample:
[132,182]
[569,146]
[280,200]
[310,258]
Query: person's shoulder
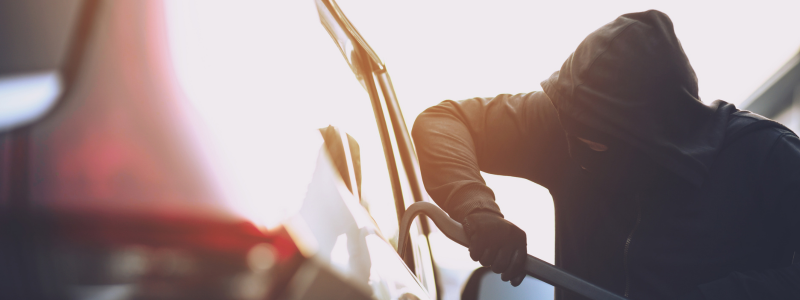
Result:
[787,140]
[754,126]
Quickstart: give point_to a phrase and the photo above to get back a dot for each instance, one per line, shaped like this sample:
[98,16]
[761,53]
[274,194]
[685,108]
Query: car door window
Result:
[376,190]
[381,209]
[371,73]
[422,262]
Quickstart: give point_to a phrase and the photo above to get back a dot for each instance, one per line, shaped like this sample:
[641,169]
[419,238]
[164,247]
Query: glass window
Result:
[377,194]
[34,34]
[376,188]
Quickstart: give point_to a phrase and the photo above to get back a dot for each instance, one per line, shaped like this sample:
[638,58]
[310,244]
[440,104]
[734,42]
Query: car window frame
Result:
[373,75]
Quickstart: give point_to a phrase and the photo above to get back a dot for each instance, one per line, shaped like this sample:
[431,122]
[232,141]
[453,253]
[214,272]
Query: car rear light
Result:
[166,257]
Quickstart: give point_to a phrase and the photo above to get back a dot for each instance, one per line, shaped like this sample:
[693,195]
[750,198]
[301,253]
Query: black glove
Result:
[498,244]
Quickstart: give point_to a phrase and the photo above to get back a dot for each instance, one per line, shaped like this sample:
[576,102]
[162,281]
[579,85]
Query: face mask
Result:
[620,168]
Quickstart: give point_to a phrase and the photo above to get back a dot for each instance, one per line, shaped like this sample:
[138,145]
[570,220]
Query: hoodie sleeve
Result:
[781,188]
[515,135]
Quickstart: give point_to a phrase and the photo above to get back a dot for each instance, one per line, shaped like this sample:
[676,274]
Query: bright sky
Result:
[263,75]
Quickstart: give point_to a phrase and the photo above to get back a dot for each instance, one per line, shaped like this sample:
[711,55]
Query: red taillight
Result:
[169,257]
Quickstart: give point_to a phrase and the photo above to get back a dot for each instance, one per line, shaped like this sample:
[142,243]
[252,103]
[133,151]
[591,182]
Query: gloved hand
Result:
[497,243]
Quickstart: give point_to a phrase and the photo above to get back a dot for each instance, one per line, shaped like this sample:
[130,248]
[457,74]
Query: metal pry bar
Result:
[534,267]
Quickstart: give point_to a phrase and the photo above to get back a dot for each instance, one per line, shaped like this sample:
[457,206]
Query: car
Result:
[107,190]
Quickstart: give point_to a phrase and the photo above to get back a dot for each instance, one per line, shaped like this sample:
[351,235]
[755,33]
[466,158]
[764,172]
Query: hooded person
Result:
[656,194]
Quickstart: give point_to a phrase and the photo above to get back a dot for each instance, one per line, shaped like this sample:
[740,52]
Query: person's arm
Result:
[781,188]
[516,135]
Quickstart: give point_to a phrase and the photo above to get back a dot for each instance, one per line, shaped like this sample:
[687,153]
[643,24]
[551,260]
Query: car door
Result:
[397,149]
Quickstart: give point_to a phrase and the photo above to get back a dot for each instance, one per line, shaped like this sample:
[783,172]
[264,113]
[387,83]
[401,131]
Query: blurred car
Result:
[107,191]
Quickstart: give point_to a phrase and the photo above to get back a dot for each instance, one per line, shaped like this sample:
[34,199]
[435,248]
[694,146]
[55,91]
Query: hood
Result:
[630,79]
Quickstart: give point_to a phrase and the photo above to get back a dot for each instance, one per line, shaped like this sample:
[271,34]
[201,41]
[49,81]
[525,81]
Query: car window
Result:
[349,42]
[34,47]
[420,259]
[34,34]
[376,188]
[373,185]
[421,263]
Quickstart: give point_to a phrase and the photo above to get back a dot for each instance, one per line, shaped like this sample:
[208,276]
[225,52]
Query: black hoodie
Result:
[722,222]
